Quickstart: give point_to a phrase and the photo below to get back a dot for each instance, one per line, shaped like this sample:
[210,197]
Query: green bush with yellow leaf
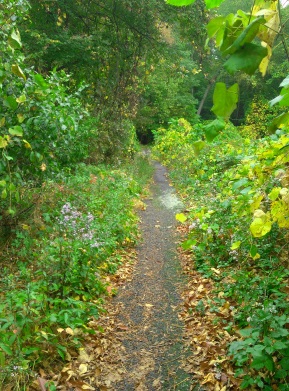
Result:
[237,197]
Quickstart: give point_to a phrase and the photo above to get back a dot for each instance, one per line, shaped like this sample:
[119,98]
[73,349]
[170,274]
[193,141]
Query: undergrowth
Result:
[55,261]
[236,191]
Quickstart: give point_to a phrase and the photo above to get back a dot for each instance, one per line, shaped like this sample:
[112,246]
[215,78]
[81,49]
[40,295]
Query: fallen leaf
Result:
[69,331]
[42,383]
[83,356]
[210,378]
[82,369]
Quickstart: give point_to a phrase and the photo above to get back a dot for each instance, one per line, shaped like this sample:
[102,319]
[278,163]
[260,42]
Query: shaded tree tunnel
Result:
[145,136]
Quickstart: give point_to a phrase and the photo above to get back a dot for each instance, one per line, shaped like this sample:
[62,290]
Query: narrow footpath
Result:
[152,338]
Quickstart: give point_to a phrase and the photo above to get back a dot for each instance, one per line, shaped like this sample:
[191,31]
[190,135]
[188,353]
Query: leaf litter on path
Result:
[208,340]
[150,338]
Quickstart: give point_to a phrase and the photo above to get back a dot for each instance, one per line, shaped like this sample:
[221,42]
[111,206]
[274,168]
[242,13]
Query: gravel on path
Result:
[152,346]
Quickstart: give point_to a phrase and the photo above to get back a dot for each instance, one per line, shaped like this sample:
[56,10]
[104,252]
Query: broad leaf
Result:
[11,102]
[198,146]
[14,40]
[233,29]
[18,71]
[213,129]
[279,122]
[180,3]
[263,361]
[181,217]
[246,36]
[260,227]
[3,142]
[246,59]
[40,81]
[285,82]
[236,245]
[16,131]
[215,25]
[6,349]
[213,3]
[225,101]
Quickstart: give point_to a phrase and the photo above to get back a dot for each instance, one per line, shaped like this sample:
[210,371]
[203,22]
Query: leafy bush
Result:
[236,191]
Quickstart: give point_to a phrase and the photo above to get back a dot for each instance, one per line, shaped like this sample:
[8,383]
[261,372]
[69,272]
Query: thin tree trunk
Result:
[209,86]
[201,105]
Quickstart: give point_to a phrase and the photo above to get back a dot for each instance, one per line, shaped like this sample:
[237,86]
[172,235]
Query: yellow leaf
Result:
[83,356]
[82,369]
[210,378]
[260,226]
[181,217]
[20,118]
[69,331]
[27,144]
[215,270]
[18,71]
[2,122]
[236,245]
[265,62]
[3,142]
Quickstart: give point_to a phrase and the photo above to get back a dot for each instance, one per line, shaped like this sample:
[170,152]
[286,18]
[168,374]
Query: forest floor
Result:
[152,336]
[153,350]
[139,344]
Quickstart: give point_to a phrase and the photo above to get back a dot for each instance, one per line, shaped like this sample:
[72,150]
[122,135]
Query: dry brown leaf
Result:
[42,383]
[83,356]
[69,331]
[83,368]
[210,378]
[87,387]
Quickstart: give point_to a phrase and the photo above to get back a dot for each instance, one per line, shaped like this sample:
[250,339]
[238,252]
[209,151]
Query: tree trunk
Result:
[209,86]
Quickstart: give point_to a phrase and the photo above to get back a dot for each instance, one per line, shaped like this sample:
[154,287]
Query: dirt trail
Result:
[152,337]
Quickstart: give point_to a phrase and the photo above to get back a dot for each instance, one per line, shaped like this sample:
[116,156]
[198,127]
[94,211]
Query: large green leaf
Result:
[279,122]
[18,71]
[10,102]
[209,3]
[225,101]
[40,81]
[213,3]
[246,59]
[214,128]
[16,131]
[6,348]
[246,36]
[215,25]
[232,31]
[198,146]
[180,3]
[14,40]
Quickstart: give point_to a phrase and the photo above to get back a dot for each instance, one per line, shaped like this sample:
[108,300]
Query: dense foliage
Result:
[79,81]
[61,257]
[236,190]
